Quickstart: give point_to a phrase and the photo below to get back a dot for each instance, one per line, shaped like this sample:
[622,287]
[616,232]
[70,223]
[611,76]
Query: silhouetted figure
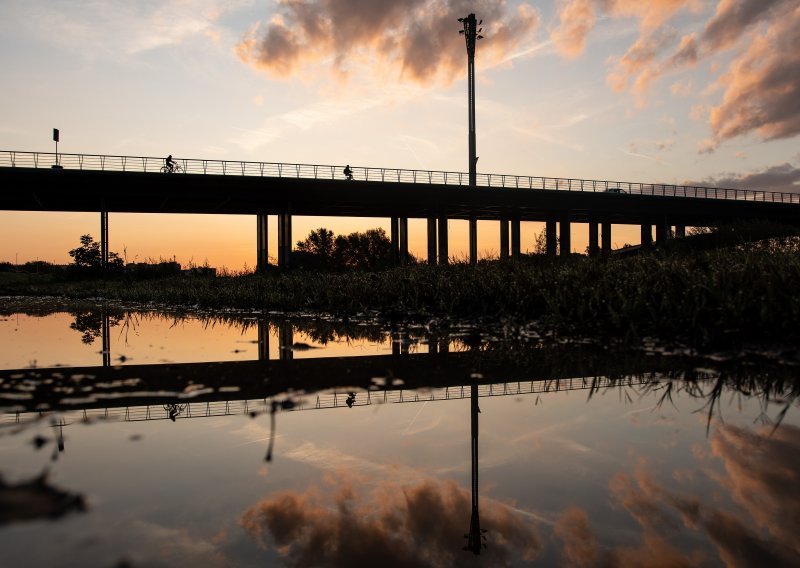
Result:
[351,399]
[348,173]
[169,164]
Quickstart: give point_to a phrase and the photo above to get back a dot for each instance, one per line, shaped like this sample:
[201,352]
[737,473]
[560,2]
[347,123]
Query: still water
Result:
[145,438]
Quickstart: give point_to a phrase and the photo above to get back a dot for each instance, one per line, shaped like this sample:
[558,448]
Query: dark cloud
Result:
[732,19]
[784,177]
[416,37]
[389,526]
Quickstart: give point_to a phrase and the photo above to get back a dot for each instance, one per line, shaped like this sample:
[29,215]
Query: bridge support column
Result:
[262,259]
[263,340]
[594,248]
[565,235]
[403,234]
[473,240]
[286,341]
[662,232]
[550,237]
[443,244]
[284,240]
[516,244]
[104,238]
[680,231]
[647,236]
[605,238]
[503,239]
[431,241]
[394,236]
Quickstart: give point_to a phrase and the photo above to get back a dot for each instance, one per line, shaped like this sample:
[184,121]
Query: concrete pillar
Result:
[605,238]
[594,248]
[395,338]
[565,235]
[104,238]
[403,239]
[550,237]
[680,231]
[516,241]
[503,239]
[262,259]
[662,232]
[263,340]
[284,240]
[647,236]
[394,236]
[431,241]
[473,240]
[443,244]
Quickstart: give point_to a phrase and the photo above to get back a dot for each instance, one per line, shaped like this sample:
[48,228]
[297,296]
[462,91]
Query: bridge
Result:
[40,181]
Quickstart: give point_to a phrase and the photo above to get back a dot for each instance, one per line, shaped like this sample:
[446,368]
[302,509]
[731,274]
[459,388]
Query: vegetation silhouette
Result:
[321,250]
[88,259]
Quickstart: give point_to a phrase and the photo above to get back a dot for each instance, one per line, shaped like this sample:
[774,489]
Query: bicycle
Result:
[174,168]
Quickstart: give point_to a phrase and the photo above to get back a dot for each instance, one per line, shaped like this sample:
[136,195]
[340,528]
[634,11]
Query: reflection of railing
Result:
[338,399]
[149,164]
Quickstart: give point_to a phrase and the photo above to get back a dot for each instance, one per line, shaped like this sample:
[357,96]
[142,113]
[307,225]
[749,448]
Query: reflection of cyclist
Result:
[348,173]
[169,163]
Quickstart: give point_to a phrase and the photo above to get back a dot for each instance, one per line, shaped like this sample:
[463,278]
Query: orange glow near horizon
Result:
[229,241]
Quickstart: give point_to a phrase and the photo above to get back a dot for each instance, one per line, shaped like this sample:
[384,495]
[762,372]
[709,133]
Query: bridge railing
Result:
[149,164]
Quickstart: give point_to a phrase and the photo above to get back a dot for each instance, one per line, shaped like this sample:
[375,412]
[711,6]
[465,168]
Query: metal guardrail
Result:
[148,164]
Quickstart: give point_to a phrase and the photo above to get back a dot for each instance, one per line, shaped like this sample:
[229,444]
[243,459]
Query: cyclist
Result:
[169,163]
[348,173]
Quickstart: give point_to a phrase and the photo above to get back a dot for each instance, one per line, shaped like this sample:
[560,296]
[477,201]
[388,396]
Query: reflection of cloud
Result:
[762,475]
[409,36]
[393,525]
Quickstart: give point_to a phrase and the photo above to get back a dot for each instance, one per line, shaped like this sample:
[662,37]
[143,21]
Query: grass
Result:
[712,298]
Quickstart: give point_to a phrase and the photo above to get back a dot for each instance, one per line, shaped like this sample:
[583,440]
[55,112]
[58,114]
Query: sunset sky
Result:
[659,91]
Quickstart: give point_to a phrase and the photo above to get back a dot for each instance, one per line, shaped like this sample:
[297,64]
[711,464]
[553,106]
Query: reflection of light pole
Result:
[475,537]
[472,34]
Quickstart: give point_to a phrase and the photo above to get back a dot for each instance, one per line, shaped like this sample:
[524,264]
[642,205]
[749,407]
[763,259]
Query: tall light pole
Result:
[471,34]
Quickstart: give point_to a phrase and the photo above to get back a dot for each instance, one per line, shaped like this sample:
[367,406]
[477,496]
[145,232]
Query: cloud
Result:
[783,177]
[762,86]
[414,38]
[576,20]
[391,525]
[761,475]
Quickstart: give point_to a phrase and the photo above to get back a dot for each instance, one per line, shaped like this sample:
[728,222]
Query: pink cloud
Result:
[416,38]
[418,525]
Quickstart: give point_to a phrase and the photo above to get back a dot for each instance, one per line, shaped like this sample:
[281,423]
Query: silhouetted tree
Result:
[368,250]
[316,251]
[88,258]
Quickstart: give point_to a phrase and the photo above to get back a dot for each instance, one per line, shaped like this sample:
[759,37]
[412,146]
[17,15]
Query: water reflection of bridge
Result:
[392,378]
[337,398]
